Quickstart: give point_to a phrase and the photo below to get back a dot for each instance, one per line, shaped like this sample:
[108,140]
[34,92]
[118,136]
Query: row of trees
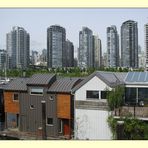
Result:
[70,72]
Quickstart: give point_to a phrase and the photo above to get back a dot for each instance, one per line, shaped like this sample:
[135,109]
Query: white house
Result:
[91,110]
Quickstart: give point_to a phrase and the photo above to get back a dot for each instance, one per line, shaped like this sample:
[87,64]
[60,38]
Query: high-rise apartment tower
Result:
[18,48]
[129,44]
[56,42]
[112,47]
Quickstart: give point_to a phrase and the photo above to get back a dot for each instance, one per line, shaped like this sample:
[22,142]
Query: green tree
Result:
[112,122]
[133,128]
[115,98]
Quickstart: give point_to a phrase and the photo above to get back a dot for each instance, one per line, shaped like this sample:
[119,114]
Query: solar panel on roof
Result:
[135,77]
[142,77]
[146,78]
[129,76]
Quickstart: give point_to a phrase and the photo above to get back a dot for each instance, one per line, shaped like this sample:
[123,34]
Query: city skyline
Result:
[36,22]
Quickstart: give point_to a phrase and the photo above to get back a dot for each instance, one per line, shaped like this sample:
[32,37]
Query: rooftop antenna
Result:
[5,70]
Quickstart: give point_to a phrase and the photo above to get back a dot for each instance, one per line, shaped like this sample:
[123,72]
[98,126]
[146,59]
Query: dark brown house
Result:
[12,95]
[60,94]
[30,102]
[24,99]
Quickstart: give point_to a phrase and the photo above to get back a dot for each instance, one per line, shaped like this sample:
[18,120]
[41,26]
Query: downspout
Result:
[73,94]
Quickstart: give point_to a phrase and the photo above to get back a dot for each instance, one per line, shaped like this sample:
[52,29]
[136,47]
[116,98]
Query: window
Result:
[130,95]
[15,97]
[50,121]
[13,120]
[103,94]
[92,94]
[36,91]
[143,95]
[17,120]
[50,97]
[32,106]
[60,126]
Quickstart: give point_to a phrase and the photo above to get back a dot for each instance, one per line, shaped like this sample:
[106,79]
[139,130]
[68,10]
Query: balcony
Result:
[138,112]
[92,104]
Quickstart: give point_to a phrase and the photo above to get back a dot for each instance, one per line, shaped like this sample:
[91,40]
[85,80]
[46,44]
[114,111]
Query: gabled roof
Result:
[112,79]
[18,84]
[137,78]
[2,86]
[121,76]
[63,85]
[40,79]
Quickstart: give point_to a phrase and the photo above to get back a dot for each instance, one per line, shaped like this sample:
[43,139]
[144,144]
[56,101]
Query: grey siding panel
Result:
[23,112]
[31,119]
[51,111]
[35,114]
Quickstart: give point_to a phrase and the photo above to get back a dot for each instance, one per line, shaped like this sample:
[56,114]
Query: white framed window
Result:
[36,91]
[49,121]
[15,97]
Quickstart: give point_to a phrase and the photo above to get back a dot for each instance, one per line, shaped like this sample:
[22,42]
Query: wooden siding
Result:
[31,119]
[66,127]
[11,106]
[64,106]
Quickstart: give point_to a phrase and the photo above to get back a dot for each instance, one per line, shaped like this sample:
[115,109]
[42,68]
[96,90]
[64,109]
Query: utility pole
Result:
[44,136]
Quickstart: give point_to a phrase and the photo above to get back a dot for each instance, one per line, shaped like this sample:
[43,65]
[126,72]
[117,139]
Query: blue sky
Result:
[36,22]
